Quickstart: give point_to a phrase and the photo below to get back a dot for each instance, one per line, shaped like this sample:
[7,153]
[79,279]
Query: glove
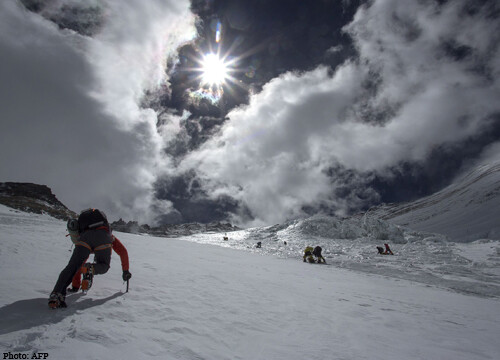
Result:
[126,275]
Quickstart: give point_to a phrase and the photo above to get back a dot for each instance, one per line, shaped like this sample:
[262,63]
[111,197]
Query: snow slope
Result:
[351,243]
[466,210]
[190,300]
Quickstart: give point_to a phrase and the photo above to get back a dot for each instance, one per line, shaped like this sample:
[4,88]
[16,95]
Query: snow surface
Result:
[190,299]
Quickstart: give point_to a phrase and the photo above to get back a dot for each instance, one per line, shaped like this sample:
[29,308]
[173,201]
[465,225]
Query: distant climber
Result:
[308,254]
[387,250]
[259,245]
[317,252]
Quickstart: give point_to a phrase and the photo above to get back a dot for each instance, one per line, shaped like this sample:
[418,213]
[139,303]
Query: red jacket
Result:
[118,248]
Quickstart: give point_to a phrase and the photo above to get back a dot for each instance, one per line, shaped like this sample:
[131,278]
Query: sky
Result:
[327,106]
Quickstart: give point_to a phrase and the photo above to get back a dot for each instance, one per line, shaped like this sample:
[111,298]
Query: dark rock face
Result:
[33,198]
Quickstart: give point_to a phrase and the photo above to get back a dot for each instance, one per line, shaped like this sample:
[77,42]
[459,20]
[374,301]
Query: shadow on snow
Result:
[25,314]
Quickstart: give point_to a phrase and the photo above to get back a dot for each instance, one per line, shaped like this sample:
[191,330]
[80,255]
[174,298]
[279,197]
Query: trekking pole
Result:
[127,286]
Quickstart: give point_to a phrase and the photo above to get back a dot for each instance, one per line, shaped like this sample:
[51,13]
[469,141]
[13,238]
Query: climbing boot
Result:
[57,300]
[88,276]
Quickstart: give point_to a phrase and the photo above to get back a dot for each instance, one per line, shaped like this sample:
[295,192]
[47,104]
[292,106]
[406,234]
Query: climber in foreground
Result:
[117,247]
[94,237]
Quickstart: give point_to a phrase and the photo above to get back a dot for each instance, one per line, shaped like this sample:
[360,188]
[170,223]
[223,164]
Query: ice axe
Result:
[126,277]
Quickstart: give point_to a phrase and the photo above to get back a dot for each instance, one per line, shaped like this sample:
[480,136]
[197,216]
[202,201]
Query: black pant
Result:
[81,253]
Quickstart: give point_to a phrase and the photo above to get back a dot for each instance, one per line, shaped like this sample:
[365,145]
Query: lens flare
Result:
[218,32]
[213,95]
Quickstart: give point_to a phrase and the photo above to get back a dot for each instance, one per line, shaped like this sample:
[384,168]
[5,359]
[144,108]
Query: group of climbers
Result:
[314,256]
[387,250]
[309,252]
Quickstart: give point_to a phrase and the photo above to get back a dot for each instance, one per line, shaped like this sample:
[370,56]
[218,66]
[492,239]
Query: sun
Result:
[214,70]
[215,76]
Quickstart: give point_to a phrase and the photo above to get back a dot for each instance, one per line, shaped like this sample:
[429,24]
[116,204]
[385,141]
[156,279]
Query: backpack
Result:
[91,219]
[317,251]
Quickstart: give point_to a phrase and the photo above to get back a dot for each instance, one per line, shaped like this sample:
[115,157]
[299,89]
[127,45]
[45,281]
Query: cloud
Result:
[77,80]
[439,96]
[426,77]
[72,118]
[270,154]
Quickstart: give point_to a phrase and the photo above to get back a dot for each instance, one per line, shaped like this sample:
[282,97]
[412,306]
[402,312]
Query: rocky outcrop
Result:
[33,198]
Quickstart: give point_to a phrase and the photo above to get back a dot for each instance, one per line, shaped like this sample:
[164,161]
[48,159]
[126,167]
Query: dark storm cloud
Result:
[192,203]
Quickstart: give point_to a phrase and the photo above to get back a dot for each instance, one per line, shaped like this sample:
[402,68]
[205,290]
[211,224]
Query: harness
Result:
[100,247]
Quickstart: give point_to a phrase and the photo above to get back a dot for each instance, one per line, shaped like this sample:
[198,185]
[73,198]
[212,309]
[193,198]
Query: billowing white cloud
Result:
[426,76]
[267,155]
[70,114]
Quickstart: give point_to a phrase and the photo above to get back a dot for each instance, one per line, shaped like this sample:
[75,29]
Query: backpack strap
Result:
[96,225]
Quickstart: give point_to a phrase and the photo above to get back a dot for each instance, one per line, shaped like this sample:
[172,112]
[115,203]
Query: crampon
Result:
[57,300]
[88,276]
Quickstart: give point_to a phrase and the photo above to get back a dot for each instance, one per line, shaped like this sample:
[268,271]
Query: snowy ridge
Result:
[464,211]
[192,301]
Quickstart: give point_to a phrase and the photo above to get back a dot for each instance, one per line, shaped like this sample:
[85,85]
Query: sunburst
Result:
[214,70]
